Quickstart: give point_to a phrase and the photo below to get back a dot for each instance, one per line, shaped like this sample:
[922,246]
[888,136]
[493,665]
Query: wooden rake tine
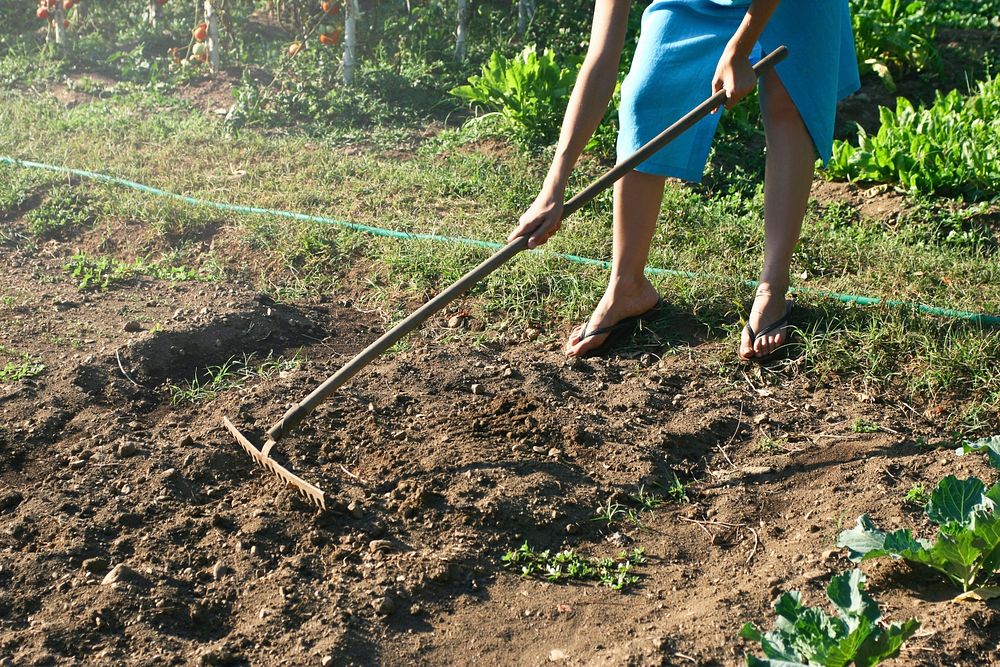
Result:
[300,411]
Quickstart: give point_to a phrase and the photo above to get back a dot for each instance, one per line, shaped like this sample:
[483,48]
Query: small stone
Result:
[384,605]
[478,389]
[126,448]
[456,321]
[572,529]
[532,333]
[219,570]
[326,660]
[379,545]
[557,655]
[264,611]
[761,418]
[120,572]
[757,470]
[133,327]
[76,464]
[554,453]
[416,610]
[187,440]
[355,510]
[9,501]
[96,564]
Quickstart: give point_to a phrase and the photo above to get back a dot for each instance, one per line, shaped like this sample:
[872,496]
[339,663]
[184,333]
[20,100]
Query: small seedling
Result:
[647,500]
[676,491]
[768,445]
[102,272]
[917,495]
[13,372]
[610,512]
[567,565]
[865,426]
[809,636]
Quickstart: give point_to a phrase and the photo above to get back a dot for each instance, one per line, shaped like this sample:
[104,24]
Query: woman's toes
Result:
[746,346]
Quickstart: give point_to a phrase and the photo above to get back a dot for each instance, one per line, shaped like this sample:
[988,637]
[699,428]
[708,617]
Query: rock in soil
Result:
[122,573]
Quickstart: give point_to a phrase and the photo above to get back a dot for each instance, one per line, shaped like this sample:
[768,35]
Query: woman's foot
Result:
[768,307]
[622,299]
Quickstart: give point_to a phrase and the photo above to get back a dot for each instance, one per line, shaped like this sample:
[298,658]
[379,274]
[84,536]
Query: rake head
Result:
[312,493]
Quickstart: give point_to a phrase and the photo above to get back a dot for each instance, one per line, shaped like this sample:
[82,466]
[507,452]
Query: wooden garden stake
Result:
[153,13]
[213,36]
[462,30]
[350,40]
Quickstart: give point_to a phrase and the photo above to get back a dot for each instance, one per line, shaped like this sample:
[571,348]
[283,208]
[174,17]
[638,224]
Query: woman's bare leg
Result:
[636,208]
[787,179]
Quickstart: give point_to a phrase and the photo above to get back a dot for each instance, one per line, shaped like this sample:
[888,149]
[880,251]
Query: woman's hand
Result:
[542,219]
[735,75]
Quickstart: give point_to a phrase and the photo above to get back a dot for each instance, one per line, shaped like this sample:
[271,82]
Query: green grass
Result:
[450,189]
[234,373]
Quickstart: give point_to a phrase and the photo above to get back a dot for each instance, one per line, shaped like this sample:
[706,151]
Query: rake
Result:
[297,413]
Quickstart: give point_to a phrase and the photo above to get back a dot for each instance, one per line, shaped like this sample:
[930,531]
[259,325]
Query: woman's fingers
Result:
[545,230]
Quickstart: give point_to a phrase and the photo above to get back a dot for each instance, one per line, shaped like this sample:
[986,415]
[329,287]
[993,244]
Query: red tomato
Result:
[42,13]
[200,32]
[331,38]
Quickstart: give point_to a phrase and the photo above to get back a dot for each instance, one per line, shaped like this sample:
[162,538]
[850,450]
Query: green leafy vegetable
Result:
[990,445]
[893,36]
[952,146]
[967,549]
[806,636]
[528,95]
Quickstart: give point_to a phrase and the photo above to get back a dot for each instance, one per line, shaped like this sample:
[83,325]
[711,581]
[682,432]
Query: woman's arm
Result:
[587,104]
[734,73]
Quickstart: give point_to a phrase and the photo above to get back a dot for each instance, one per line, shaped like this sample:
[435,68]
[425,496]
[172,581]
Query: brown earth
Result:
[430,482]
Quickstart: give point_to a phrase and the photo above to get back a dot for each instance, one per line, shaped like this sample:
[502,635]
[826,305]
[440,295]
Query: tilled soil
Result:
[135,531]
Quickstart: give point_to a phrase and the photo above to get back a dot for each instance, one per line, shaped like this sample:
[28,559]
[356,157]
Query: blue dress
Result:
[680,43]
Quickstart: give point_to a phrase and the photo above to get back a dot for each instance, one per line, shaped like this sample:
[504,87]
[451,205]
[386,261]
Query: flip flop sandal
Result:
[625,328]
[778,324]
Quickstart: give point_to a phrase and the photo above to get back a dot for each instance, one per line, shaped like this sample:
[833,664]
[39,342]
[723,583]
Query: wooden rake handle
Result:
[297,413]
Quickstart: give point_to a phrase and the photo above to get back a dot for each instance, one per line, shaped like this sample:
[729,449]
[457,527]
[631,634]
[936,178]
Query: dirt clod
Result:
[95,565]
[121,573]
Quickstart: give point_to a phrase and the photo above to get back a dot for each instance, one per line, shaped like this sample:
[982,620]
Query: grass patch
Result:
[568,565]
[465,191]
[65,211]
[207,384]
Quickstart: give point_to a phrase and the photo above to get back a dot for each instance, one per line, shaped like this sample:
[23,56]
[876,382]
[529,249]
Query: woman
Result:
[680,44]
